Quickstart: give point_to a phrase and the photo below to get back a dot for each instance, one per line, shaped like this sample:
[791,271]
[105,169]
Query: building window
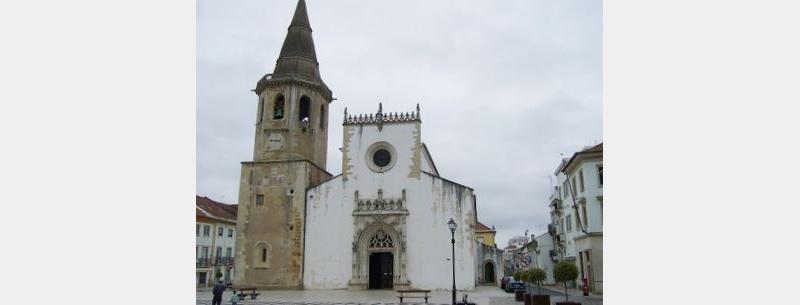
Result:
[585,216]
[564,189]
[569,223]
[600,174]
[322,117]
[264,255]
[219,251]
[259,199]
[220,231]
[230,232]
[205,252]
[228,252]
[572,186]
[197,229]
[305,109]
[580,176]
[277,111]
[206,230]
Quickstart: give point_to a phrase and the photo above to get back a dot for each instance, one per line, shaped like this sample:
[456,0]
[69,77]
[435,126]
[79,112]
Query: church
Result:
[380,224]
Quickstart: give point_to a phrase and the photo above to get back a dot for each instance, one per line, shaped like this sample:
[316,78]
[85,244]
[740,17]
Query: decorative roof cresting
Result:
[380,117]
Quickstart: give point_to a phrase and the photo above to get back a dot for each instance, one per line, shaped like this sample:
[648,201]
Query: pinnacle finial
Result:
[417,110]
[380,107]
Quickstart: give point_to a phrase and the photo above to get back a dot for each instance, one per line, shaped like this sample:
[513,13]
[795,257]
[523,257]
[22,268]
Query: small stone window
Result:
[278,110]
[262,254]
[259,199]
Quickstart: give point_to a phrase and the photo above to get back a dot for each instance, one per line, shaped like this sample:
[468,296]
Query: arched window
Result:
[262,254]
[278,111]
[305,109]
[322,117]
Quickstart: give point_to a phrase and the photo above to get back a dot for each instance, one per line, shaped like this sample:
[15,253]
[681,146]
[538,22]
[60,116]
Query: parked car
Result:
[504,281]
[514,285]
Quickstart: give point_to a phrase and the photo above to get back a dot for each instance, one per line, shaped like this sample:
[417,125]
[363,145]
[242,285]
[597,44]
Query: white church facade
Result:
[382,223]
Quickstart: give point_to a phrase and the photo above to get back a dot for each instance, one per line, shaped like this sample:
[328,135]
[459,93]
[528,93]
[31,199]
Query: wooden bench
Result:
[413,293]
[245,292]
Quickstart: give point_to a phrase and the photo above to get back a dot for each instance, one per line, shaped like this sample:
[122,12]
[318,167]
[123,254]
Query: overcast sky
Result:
[505,87]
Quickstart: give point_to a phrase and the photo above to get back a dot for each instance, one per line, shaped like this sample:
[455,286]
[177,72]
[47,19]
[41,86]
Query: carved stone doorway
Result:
[381,270]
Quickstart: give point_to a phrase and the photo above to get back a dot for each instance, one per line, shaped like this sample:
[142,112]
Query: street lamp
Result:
[452,225]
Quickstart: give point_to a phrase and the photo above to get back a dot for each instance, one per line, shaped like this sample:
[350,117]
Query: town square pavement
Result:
[483,295]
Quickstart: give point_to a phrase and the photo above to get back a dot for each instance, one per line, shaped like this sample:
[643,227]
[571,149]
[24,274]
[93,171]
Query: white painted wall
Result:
[543,261]
[431,202]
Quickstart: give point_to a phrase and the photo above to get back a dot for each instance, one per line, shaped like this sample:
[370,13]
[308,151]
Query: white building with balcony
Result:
[577,213]
[215,230]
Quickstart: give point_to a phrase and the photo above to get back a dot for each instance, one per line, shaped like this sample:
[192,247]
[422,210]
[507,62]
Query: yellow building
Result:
[484,234]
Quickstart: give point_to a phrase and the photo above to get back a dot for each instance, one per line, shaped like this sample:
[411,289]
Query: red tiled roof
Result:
[210,208]
[482,227]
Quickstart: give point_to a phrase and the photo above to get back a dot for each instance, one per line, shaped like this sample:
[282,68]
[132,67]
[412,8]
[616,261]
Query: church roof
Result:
[297,61]
[207,207]
[298,56]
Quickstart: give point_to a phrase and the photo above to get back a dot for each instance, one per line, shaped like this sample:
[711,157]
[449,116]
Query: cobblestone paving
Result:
[257,302]
[480,296]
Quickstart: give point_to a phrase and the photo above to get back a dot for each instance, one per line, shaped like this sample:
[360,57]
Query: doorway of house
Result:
[201,280]
[488,272]
[381,269]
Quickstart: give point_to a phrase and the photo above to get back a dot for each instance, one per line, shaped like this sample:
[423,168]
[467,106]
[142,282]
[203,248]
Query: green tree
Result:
[536,276]
[564,272]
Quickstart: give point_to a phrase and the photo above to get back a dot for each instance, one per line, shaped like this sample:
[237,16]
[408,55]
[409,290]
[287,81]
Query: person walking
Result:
[219,288]
[234,299]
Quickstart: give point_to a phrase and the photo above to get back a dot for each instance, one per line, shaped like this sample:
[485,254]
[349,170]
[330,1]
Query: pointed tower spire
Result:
[298,56]
[297,61]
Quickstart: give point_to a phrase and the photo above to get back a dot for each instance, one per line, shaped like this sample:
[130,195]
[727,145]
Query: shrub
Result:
[536,276]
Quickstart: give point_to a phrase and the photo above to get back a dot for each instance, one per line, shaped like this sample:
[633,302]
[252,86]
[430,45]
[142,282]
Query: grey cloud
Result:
[505,87]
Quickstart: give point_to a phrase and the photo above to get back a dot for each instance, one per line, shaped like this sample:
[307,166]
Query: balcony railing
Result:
[203,262]
[214,261]
[223,261]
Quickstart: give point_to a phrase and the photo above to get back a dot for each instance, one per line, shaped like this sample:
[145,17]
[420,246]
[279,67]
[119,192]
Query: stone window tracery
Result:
[381,240]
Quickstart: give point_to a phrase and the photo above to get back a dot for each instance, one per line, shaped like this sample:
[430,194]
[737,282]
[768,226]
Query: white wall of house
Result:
[543,260]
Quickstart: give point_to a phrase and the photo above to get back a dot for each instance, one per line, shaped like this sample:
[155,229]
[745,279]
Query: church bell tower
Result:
[289,156]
